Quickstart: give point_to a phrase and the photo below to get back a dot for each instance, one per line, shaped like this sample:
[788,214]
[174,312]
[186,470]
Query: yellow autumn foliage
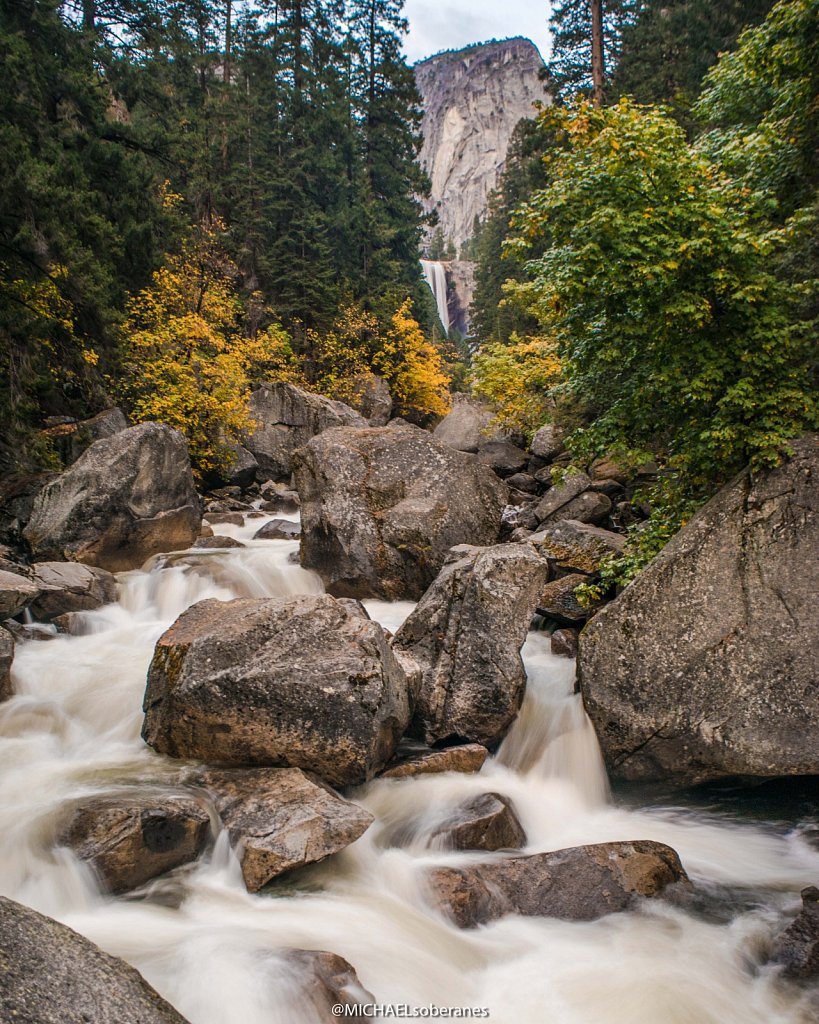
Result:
[412,367]
[517,378]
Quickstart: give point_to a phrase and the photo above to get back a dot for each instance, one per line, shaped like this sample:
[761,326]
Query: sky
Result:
[450,24]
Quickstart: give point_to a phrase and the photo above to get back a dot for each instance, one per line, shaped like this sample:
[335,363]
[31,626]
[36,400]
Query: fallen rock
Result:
[561,494]
[51,975]
[218,541]
[468,425]
[502,457]
[522,482]
[608,468]
[577,547]
[6,658]
[558,601]
[104,424]
[486,822]
[327,980]
[279,819]
[547,442]
[382,507]
[564,643]
[224,518]
[705,666]
[71,587]
[16,593]
[278,529]
[286,417]
[129,839]
[797,947]
[240,467]
[581,883]
[466,634]
[307,682]
[126,498]
[373,399]
[466,758]
[588,507]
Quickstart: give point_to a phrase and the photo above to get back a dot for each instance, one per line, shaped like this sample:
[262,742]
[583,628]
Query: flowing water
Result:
[435,277]
[213,950]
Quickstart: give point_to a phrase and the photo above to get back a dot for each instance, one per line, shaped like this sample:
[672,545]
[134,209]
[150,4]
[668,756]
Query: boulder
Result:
[16,593]
[279,819]
[286,417]
[51,975]
[373,399]
[564,643]
[588,507]
[577,547]
[608,468]
[307,682]
[224,518]
[218,541]
[558,600]
[240,467]
[466,758]
[130,839]
[705,666]
[282,501]
[468,425]
[561,494]
[126,498]
[326,981]
[547,442]
[522,482]
[382,507]
[71,587]
[797,947]
[502,457]
[278,529]
[582,883]
[466,634]
[6,658]
[104,424]
[486,822]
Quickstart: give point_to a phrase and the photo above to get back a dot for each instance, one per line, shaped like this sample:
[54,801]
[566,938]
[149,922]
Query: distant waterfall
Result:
[435,277]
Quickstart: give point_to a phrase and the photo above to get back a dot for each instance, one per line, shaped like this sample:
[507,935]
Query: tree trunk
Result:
[228,15]
[597,67]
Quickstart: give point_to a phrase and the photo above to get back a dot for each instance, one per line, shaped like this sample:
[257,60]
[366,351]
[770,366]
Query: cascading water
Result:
[214,951]
[435,277]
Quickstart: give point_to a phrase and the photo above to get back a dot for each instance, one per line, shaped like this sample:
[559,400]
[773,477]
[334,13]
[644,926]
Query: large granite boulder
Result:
[466,634]
[16,593]
[415,759]
[468,426]
[86,432]
[279,819]
[705,666]
[307,682]
[71,587]
[573,546]
[285,418]
[578,884]
[382,507]
[797,947]
[126,498]
[127,839]
[51,975]
[485,822]
[6,659]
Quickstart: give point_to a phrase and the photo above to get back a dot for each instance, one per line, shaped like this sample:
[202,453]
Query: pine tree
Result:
[575,62]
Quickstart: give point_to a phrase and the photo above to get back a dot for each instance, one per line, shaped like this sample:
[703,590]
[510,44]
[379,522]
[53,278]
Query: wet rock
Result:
[71,587]
[588,507]
[279,819]
[503,457]
[561,494]
[547,442]
[486,822]
[466,758]
[218,541]
[468,426]
[126,498]
[278,529]
[51,975]
[286,502]
[224,518]
[205,530]
[466,634]
[578,547]
[307,682]
[6,658]
[797,947]
[581,883]
[382,507]
[240,468]
[326,980]
[705,666]
[16,593]
[286,418]
[130,838]
[564,643]
[558,600]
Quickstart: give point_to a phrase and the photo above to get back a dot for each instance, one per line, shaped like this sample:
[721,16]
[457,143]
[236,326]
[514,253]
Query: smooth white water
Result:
[213,950]
[435,277]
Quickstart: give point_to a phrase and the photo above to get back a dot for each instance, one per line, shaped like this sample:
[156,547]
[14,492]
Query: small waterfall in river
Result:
[435,277]
[215,951]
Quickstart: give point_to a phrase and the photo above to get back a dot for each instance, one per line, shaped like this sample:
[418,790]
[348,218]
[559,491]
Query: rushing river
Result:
[211,949]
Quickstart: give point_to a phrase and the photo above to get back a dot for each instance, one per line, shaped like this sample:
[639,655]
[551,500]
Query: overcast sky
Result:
[450,24]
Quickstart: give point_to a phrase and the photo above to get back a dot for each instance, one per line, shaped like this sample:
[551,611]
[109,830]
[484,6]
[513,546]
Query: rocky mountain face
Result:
[473,99]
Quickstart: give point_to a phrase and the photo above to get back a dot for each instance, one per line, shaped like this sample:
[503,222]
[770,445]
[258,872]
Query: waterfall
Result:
[435,277]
